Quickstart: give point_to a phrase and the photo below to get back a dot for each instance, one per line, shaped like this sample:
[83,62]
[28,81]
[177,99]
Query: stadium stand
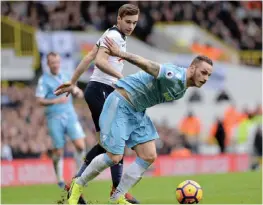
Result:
[237,23]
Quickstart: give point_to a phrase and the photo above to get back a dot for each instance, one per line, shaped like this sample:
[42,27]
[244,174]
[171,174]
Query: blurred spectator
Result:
[195,97]
[6,151]
[220,135]
[190,127]
[222,96]
[245,133]
[257,149]
[208,50]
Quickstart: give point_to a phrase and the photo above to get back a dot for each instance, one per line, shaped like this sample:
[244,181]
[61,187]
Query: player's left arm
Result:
[148,66]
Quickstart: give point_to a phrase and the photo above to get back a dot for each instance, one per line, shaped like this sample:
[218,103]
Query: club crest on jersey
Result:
[169,74]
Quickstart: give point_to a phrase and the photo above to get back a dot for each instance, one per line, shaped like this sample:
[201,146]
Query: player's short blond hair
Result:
[128,10]
[202,58]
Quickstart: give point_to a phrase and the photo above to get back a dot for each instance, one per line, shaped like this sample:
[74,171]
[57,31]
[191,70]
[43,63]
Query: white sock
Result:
[131,177]
[97,165]
[79,158]
[58,166]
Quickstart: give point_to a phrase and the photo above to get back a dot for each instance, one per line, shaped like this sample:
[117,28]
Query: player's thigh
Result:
[111,133]
[142,139]
[56,131]
[75,132]
[95,96]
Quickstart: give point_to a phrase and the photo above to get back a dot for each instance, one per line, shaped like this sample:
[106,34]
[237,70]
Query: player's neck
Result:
[54,74]
[118,27]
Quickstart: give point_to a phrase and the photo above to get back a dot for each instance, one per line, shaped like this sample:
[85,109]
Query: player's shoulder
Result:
[115,33]
[43,78]
[173,70]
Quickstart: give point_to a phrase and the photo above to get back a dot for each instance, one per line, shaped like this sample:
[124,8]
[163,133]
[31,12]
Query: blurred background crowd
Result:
[236,23]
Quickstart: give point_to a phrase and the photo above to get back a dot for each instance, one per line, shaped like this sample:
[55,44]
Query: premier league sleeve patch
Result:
[169,74]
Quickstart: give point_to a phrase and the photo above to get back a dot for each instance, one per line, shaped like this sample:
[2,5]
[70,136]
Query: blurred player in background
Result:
[60,114]
[107,71]
[123,120]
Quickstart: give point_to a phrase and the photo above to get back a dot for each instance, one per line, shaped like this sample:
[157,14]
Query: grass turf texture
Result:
[233,188]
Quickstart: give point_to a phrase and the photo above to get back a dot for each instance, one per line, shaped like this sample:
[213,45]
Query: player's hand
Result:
[67,87]
[112,46]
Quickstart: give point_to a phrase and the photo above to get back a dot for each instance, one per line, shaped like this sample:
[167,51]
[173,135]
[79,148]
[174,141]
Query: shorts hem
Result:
[112,152]
[143,141]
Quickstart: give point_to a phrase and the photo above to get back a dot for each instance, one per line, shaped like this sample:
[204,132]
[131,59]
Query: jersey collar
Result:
[117,29]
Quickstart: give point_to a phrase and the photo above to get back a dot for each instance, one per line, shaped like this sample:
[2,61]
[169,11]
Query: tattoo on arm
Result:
[148,66]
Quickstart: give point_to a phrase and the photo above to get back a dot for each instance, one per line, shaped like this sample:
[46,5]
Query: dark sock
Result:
[95,151]
[116,173]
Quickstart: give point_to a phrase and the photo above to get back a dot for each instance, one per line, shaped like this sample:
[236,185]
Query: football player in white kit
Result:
[107,71]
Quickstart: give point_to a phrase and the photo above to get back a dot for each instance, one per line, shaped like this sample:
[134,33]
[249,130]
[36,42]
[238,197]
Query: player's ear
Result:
[192,69]
[118,19]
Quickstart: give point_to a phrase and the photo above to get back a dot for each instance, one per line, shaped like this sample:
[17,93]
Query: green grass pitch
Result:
[233,188]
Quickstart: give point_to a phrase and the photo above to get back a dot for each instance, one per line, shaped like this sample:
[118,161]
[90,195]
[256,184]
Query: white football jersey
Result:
[116,62]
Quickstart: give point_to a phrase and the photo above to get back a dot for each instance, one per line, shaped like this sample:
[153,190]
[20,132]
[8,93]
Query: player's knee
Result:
[79,144]
[115,158]
[149,157]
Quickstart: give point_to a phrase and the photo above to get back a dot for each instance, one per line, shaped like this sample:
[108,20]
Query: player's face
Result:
[202,72]
[127,24]
[54,64]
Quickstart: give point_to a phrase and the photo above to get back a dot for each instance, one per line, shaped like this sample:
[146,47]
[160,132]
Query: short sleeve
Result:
[171,73]
[114,35]
[41,90]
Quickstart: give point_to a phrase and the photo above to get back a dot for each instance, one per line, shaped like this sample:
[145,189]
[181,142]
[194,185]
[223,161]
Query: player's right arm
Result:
[70,86]
[101,61]
[41,93]
[84,64]
[148,66]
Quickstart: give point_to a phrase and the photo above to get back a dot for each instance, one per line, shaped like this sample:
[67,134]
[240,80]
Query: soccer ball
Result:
[189,192]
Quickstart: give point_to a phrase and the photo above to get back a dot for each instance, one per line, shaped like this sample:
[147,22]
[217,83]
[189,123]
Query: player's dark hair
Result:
[201,58]
[128,10]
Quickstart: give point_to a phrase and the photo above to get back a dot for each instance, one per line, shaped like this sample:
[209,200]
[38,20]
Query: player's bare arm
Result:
[84,64]
[148,66]
[46,102]
[70,87]
[101,61]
